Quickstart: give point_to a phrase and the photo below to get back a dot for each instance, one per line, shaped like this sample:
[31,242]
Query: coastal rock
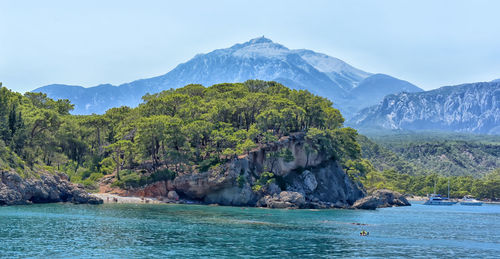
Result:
[157,189]
[199,185]
[309,180]
[381,199]
[285,199]
[333,184]
[234,196]
[241,181]
[272,189]
[293,197]
[172,195]
[15,190]
[170,186]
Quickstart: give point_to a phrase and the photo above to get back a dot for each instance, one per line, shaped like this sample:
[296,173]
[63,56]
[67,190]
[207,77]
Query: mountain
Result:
[259,58]
[473,108]
[372,90]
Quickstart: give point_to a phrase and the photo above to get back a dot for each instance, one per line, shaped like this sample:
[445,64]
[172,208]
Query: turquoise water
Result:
[138,231]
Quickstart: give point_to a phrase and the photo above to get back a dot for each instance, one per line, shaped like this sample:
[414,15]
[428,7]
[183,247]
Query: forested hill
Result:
[433,153]
[190,129]
[414,163]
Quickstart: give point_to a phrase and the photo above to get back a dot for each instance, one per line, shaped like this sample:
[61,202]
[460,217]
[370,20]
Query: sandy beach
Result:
[113,198]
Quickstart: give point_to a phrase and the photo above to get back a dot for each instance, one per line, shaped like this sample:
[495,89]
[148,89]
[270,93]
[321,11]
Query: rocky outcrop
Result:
[172,195]
[381,199]
[15,190]
[157,189]
[323,185]
[245,181]
[282,200]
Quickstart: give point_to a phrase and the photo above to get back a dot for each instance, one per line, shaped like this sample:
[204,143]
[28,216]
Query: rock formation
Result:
[260,178]
[323,185]
[381,199]
[15,190]
[473,108]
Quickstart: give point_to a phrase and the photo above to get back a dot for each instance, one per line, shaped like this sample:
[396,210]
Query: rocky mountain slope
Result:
[258,58]
[371,91]
[473,108]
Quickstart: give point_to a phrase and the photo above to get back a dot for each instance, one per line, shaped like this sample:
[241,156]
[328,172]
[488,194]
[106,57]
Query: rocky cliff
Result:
[473,108]
[15,190]
[309,180]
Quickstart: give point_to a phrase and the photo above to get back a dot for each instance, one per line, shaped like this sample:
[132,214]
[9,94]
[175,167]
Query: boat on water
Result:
[437,199]
[469,201]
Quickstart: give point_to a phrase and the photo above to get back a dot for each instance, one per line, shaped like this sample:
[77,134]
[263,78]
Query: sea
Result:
[198,231]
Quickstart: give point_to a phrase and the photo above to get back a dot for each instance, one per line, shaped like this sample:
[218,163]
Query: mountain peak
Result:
[258,47]
[260,40]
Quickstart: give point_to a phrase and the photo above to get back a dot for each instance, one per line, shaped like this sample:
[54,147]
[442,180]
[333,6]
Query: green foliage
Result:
[139,178]
[359,168]
[487,186]
[413,163]
[444,154]
[257,188]
[246,146]
[186,130]
[384,159]
[264,179]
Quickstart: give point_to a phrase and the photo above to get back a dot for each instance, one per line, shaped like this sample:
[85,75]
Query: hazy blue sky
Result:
[429,43]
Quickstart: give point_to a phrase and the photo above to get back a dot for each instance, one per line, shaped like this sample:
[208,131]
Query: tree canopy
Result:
[188,130]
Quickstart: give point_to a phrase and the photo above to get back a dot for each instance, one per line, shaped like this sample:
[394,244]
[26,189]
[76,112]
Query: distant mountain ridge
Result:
[473,108]
[259,58]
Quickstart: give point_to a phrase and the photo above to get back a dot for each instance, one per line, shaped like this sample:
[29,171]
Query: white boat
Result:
[436,199]
[469,201]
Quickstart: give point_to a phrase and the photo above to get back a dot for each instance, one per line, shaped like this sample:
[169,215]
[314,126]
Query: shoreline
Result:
[109,198]
[423,198]
[114,198]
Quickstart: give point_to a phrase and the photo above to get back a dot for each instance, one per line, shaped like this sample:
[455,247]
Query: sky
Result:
[87,43]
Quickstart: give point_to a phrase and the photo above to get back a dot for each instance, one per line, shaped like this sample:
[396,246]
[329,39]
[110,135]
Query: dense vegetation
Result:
[384,159]
[196,128]
[186,130]
[446,154]
[487,186]
[417,162]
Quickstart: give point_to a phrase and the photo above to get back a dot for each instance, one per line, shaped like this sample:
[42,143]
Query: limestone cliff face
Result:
[323,184]
[473,108]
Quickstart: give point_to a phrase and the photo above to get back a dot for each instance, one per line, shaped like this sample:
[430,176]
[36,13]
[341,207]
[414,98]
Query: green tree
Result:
[120,150]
